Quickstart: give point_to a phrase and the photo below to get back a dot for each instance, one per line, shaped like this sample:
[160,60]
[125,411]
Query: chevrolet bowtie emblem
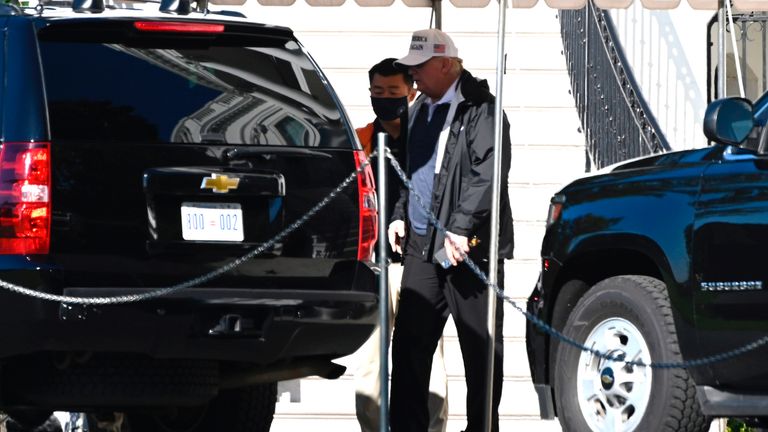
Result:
[219,183]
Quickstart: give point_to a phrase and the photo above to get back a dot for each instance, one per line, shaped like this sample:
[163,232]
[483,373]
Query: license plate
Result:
[213,222]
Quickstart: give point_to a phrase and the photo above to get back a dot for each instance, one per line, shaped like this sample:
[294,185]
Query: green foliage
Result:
[736,425]
[22,3]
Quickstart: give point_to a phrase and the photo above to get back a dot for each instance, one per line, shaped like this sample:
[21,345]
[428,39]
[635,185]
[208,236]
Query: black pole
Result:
[381,142]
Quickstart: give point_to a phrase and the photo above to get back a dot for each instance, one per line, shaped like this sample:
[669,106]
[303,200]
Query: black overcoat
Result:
[461,196]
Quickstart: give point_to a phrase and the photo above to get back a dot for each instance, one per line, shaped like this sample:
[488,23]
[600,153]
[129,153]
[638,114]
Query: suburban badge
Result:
[219,183]
[732,286]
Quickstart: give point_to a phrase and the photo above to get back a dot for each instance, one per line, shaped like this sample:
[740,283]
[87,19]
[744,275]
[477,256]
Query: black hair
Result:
[388,67]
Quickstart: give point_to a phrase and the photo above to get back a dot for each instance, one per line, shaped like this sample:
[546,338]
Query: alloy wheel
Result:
[613,396]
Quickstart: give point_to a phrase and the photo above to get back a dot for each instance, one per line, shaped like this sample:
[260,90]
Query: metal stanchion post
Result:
[721,51]
[493,253]
[381,142]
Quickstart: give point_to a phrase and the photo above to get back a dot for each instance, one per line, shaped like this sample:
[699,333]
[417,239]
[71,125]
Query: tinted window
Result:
[218,94]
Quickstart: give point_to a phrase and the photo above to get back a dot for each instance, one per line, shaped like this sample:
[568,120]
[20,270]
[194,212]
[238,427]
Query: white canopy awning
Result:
[743,5]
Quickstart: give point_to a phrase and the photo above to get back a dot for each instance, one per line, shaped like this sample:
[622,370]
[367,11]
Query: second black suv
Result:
[141,150]
[661,260]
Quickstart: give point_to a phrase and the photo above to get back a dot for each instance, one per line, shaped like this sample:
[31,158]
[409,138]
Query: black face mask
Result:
[389,109]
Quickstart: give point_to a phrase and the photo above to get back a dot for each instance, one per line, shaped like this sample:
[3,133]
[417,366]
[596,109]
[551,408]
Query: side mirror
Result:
[729,121]
[88,6]
[178,7]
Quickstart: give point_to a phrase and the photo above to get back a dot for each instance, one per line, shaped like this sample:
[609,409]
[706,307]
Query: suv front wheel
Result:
[628,317]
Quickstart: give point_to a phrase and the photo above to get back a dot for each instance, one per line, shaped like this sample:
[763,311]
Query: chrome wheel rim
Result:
[613,396]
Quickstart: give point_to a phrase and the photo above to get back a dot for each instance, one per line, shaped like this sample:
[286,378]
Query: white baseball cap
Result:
[426,44]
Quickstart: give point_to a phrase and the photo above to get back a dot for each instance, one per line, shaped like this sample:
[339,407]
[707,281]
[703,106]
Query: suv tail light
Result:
[25,204]
[178,27]
[369,221]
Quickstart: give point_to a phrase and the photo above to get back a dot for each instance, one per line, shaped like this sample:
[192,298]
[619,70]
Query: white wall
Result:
[348,39]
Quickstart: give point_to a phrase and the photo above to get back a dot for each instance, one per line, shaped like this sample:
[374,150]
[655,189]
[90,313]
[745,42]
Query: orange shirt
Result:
[365,135]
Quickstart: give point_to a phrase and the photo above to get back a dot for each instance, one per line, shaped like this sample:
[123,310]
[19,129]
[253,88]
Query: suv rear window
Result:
[109,89]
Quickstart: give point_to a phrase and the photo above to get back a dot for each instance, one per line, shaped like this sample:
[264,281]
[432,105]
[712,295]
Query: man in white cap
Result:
[449,159]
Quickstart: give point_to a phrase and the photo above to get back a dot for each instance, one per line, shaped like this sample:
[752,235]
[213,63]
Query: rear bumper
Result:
[245,325]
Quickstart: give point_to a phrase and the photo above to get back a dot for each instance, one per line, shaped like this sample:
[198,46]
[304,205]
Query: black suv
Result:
[660,260]
[143,150]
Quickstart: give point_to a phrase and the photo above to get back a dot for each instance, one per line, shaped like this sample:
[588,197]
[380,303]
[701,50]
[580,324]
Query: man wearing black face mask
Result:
[391,92]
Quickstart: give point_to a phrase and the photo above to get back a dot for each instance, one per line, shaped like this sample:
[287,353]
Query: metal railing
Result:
[616,120]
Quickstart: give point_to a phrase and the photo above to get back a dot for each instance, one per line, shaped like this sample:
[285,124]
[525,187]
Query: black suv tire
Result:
[245,409]
[126,380]
[624,316]
[31,421]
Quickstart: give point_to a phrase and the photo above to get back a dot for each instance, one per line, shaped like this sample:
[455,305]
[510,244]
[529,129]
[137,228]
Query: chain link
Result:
[132,298]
